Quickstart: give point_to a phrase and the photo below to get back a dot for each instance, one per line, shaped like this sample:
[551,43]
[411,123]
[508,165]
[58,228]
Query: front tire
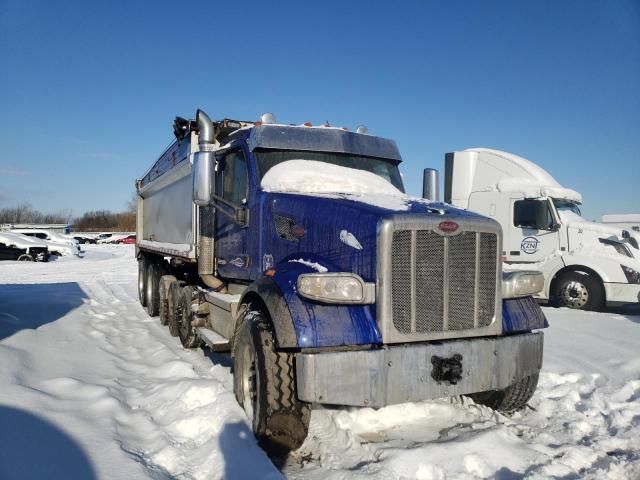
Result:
[264,385]
[25,257]
[579,290]
[513,398]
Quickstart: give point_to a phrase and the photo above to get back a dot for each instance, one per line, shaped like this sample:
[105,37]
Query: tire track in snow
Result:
[140,404]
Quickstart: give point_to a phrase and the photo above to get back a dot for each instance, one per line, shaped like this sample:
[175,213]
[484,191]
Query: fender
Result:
[267,291]
[302,323]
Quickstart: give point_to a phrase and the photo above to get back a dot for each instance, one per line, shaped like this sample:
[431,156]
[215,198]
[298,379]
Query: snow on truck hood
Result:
[311,177]
[574,220]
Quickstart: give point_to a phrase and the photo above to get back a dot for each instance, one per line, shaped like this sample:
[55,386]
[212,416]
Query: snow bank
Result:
[91,387]
[320,178]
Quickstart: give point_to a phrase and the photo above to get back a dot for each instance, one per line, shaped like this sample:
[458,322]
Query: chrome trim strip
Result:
[413,281]
[445,286]
[476,291]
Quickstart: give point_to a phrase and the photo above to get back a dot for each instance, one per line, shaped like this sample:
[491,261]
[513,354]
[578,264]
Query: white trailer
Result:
[585,264]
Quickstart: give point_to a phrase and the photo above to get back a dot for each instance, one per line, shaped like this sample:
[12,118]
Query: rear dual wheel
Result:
[184,316]
[165,307]
[152,293]
[142,281]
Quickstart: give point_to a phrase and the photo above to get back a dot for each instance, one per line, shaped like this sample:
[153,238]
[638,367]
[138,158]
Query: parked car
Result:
[58,243]
[129,239]
[37,249]
[83,240]
[8,252]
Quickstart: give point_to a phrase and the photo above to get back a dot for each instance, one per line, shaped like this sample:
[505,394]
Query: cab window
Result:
[234,178]
[532,213]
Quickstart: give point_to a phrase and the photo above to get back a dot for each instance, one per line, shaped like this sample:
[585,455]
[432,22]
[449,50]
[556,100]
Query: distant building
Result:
[54,227]
[628,221]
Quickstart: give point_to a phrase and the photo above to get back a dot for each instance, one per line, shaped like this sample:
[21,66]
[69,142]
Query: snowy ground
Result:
[90,387]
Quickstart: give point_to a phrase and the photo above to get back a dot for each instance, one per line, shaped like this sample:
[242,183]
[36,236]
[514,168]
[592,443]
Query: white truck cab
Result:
[585,264]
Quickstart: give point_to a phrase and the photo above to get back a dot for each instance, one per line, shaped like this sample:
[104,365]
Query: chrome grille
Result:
[442,283]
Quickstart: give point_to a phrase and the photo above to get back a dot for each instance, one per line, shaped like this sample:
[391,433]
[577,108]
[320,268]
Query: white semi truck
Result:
[586,264]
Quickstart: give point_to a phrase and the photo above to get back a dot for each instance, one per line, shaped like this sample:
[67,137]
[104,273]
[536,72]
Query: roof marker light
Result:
[268,119]
[362,129]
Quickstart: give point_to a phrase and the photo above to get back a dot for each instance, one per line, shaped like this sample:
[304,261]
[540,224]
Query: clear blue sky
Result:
[89,89]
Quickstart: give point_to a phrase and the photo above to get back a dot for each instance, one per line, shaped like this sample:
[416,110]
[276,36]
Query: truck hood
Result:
[587,235]
[337,231]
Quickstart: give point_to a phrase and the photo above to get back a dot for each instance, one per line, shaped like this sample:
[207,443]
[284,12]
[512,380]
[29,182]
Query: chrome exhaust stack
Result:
[430,185]
[203,174]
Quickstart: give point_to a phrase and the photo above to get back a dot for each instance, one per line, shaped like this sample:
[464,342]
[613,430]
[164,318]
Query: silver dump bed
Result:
[167,216]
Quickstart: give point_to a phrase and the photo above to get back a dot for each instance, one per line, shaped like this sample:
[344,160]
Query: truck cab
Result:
[296,249]
[586,264]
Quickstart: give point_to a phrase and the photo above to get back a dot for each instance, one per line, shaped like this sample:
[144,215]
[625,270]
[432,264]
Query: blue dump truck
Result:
[295,248]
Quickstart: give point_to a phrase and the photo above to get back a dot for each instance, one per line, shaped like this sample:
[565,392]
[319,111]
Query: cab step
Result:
[214,341]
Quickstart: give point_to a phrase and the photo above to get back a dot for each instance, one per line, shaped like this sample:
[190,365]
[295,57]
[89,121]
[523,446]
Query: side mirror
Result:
[202,176]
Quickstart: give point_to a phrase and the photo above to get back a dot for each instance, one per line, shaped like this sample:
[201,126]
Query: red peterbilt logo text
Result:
[448,226]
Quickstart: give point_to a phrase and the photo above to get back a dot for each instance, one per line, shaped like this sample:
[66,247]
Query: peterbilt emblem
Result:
[448,226]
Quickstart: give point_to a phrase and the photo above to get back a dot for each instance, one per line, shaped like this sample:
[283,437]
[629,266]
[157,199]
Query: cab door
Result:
[534,231]
[231,215]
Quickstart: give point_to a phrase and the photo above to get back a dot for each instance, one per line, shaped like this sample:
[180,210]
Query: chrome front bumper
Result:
[404,373]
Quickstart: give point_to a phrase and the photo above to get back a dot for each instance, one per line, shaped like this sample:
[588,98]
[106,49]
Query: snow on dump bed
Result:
[91,387]
[321,178]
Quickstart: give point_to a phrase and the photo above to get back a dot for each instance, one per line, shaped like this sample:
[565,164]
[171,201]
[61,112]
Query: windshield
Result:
[387,169]
[566,206]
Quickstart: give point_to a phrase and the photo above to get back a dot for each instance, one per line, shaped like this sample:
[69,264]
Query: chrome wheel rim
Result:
[248,380]
[574,294]
[140,283]
[149,289]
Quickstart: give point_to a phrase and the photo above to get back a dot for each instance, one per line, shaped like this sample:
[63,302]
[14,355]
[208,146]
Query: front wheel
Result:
[513,398]
[579,290]
[264,385]
[25,257]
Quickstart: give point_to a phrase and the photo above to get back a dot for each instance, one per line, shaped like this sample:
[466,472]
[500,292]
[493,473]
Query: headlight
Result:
[632,275]
[336,287]
[521,284]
